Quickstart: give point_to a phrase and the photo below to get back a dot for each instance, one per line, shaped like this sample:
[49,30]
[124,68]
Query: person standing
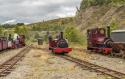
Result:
[10,40]
[17,42]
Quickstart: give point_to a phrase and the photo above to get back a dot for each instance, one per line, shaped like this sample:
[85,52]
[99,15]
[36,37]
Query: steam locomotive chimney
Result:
[108,31]
[61,35]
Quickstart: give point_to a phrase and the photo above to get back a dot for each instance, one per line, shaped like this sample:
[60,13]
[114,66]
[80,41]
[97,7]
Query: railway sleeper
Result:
[7,72]
[7,64]
[3,75]
[4,66]
[115,74]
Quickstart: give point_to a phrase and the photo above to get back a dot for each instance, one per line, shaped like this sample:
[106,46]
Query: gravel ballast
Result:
[114,63]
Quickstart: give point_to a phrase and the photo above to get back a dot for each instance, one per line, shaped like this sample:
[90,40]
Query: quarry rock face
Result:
[101,16]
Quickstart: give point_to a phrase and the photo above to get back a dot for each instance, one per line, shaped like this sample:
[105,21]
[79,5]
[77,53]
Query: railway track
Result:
[96,68]
[8,65]
[92,67]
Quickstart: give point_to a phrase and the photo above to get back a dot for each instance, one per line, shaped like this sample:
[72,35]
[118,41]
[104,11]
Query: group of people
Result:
[13,42]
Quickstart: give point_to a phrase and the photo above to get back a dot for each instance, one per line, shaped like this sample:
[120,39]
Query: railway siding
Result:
[84,64]
[8,65]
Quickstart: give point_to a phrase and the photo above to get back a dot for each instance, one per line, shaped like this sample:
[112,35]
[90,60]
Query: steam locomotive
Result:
[99,40]
[59,45]
[9,43]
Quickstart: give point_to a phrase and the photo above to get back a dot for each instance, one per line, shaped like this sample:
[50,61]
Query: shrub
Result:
[113,26]
[73,35]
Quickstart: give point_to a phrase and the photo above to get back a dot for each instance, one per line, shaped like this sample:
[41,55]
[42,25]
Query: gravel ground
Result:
[39,64]
[117,64]
[4,56]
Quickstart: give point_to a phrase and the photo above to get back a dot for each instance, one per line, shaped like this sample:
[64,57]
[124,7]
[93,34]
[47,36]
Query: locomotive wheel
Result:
[108,42]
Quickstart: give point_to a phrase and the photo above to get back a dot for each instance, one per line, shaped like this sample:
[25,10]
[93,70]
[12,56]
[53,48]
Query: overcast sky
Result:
[29,11]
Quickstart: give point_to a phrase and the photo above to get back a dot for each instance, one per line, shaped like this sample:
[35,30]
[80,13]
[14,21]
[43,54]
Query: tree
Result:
[21,30]
[37,35]
[17,29]
[1,30]
[20,24]
[113,26]
[73,35]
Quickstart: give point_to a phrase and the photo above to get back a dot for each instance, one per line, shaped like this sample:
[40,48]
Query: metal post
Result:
[108,31]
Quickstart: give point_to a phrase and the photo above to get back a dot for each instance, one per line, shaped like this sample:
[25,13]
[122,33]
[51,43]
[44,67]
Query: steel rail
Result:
[8,66]
[96,68]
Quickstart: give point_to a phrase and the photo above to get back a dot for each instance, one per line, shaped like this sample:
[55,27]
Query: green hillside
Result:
[67,25]
[52,25]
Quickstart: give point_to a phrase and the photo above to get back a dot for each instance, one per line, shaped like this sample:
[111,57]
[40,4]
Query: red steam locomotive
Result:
[59,45]
[99,41]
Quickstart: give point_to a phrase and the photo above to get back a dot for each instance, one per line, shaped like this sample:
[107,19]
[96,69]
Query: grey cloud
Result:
[36,10]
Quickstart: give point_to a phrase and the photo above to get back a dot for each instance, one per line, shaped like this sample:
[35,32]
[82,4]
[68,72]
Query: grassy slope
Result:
[55,22]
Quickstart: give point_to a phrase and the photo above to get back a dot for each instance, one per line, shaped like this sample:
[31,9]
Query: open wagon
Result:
[118,46]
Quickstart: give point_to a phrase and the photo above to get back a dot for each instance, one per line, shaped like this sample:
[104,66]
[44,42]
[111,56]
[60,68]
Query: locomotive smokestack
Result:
[61,35]
[108,31]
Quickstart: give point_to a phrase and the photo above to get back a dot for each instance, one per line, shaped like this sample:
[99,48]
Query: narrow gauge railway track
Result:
[96,68]
[8,65]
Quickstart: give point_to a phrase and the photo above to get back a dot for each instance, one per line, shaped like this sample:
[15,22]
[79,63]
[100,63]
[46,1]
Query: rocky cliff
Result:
[101,16]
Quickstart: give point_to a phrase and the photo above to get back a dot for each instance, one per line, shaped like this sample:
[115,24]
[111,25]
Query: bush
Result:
[73,35]
[113,26]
